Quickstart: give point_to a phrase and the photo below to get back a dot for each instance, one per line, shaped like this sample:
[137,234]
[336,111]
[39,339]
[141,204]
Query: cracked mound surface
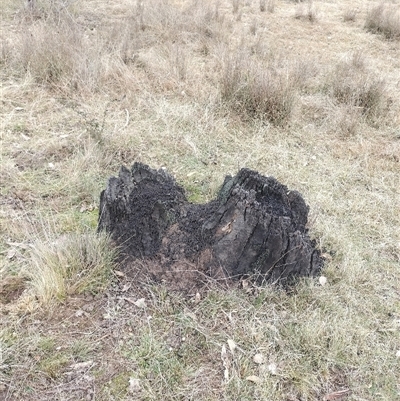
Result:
[256,227]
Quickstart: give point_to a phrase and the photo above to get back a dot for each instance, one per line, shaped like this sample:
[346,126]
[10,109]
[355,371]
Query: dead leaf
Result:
[232,345]
[253,379]
[337,395]
[191,315]
[225,362]
[245,284]
[119,273]
[125,287]
[11,253]
[258,358]
[272,368]
[140,303]
[223,353]
[81,365]
[226,374]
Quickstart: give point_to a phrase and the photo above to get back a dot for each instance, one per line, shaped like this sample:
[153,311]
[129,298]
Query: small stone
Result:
[258,358]
[134,385]
[272,368]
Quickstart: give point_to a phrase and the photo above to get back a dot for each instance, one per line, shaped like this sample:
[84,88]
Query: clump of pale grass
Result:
[354,85]
[308,12]
[384,19]
[347,120]
[70,264]
[58,55]
[253,27]
[235,6]
[271,6]
[42,9]
[169,22]
[350,14]
[260,91]
[58,51]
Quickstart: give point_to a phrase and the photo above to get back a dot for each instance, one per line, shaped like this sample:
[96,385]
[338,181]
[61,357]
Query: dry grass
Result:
[192,87]
[306,12]
[384,19]
[257,90]
[356,86]
[350,15]
[267,5]
[69,265]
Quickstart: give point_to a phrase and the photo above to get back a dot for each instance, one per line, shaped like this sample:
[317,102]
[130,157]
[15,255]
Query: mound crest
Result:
[255,228]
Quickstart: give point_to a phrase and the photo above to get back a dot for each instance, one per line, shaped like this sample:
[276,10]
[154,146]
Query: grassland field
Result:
[305,91]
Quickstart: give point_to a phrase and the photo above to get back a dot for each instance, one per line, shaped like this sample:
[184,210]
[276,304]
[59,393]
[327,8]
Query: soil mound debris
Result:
[255,228]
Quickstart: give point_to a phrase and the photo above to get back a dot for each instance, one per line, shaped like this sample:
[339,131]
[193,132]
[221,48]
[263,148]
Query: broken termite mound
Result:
[255,228]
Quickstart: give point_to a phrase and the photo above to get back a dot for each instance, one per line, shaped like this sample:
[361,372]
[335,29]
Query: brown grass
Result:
[354,85]
[267,92]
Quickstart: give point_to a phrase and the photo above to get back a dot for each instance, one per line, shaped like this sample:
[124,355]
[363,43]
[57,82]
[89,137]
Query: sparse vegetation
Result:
[259,91]
[271,4]
[306,12]
[350,15]
[384,19]
[194,87]
[355,86]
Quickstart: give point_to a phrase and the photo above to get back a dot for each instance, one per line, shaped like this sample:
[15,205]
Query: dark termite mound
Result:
[255,228]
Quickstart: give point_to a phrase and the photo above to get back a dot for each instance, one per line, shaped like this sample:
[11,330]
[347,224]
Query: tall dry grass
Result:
[355,85]
[56,50]
[306,12]
[385,19]
[259,90]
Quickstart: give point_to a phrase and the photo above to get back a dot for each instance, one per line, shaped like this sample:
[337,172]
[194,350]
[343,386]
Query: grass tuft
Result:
[355,86]
[307,13]
[384,19]
[350,15]
[254,90]
[71,264]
